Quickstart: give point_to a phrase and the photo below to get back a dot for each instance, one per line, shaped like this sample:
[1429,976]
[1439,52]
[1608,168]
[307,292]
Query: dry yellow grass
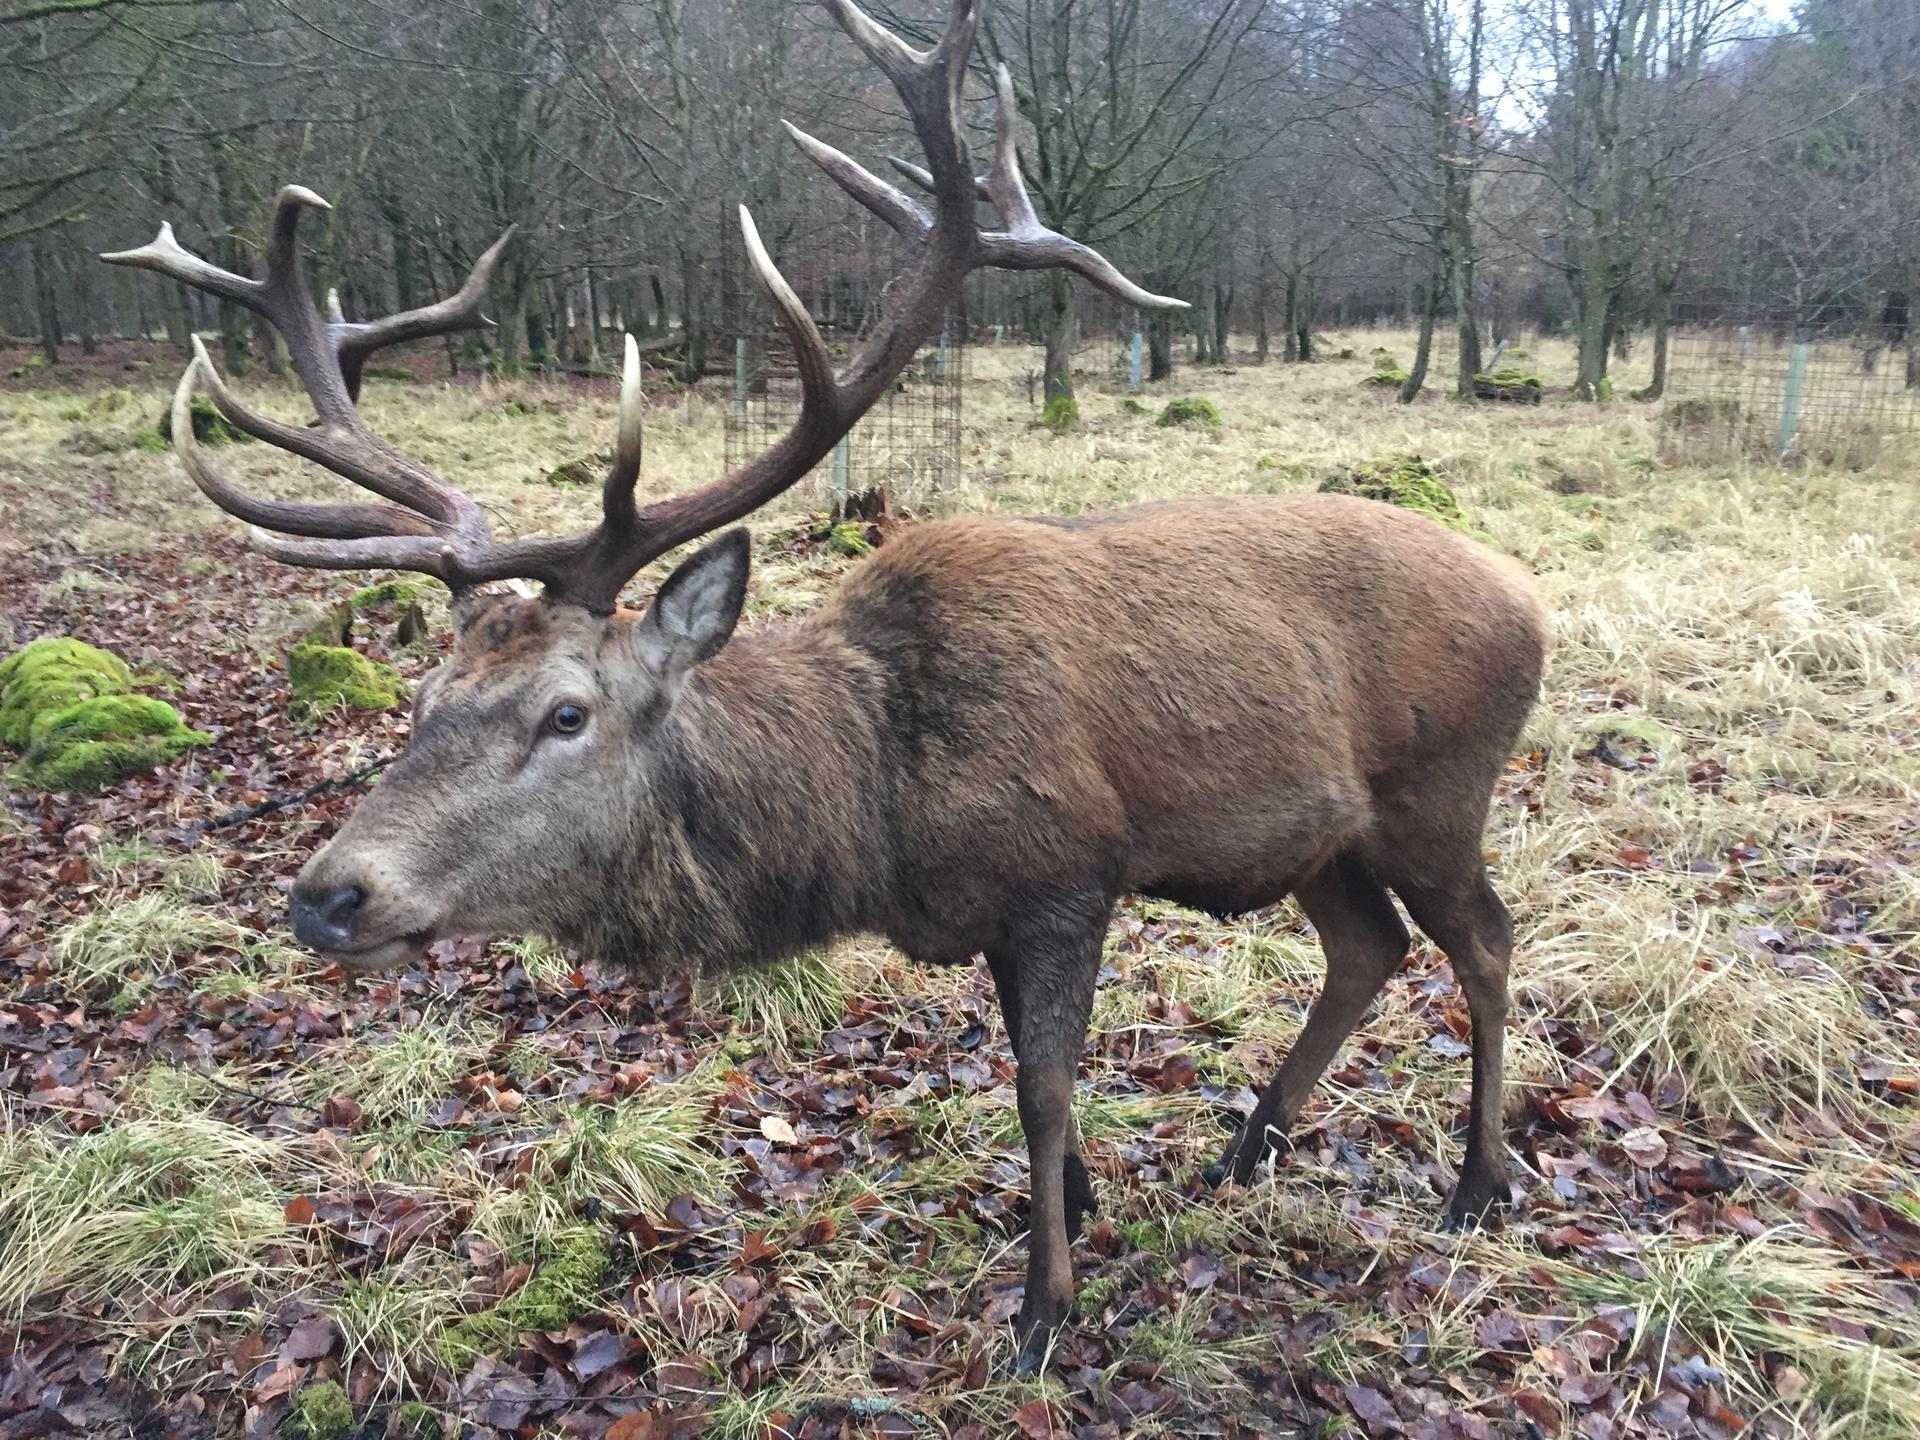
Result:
[1754,632]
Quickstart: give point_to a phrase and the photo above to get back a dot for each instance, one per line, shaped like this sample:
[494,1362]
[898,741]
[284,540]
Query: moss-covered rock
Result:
[320,1412]
[1062,414]
[97,743]
[404,596]
[1190,410]
[210,427]
[565,1287]
[48,676]
[1388,375]
[1514,387]
[325,676]
[1134,407]
[1403,480]
[1383,359]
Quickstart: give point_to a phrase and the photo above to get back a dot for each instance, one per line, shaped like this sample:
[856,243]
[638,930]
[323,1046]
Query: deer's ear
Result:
[698,606]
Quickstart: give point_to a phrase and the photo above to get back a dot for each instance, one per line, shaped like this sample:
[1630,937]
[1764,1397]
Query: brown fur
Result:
[991,731]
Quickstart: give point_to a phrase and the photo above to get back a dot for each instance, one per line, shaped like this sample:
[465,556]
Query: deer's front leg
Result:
[1058,955]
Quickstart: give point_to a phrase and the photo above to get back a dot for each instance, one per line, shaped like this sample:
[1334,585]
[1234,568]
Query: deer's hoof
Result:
[1037,1328]
[1476,1199]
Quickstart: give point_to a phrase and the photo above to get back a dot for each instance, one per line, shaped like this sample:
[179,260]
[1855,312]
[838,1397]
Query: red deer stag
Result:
[992,730]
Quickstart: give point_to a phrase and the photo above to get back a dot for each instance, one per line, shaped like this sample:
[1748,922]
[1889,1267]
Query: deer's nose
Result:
[323,919]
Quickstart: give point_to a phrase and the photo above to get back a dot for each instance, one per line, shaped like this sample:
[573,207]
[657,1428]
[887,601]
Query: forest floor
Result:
[504,1194]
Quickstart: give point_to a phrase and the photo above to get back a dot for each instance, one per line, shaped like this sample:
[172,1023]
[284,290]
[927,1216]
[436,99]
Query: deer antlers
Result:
[435,529]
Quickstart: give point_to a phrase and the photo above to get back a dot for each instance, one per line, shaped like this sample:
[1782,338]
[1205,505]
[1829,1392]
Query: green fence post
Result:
[1790,402]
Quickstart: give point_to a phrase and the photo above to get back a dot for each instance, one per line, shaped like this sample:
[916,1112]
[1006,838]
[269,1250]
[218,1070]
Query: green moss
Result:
[567,1286]
[1190,410]
[97,743]
[1703,410]
[849,538]
[389,372]
[587,470]
[1062,414]
[320,1412]
[399,592]
[416,1421]
[1603,389]
[1403,480]
[323,676]
[1391,375]
[210,427]
[1133,407]
[48,676]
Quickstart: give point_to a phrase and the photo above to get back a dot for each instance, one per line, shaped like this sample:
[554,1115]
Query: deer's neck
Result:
[763,825]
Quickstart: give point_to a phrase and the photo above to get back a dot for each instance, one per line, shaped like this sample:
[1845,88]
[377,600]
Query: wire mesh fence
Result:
[1827,385]
[905,452]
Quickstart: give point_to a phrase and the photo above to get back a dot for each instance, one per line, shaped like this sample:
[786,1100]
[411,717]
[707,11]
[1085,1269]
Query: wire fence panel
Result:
[1822,385]
[907,449]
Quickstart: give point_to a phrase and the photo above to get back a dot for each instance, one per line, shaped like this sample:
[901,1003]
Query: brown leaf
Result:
[1371,1408]
[300,1211]
[1037,1421]
[311,1339]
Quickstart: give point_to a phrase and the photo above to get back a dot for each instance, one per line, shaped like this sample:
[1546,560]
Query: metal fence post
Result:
[740,373]
[1133,372]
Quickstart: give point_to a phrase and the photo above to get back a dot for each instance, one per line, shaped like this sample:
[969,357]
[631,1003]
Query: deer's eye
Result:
[567,718]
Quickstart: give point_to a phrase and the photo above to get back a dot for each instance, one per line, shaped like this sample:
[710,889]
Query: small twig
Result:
[282,802]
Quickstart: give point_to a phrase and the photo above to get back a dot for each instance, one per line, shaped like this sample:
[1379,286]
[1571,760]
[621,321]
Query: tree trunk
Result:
[1595,296]
[1423,352]
[1303,322]
[1290,346]
[1062,314]
[1159,347]
[1222,316]
[1662,323]
[83,303]
[46,298]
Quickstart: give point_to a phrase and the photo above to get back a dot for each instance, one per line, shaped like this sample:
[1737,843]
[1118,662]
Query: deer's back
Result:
[1211,694]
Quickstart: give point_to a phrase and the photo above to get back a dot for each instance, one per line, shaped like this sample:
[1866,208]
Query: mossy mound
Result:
[325,676]
[404,596]
[1513,387]
[849,539]
[1387,375]
[1403,480]
[1133,407]
[210,427]
[587,470]
[1062,414]
[48,676]
[563,1289]
[98,743]
[389,372]
[1702,410]
[1190,410]
[320,1412]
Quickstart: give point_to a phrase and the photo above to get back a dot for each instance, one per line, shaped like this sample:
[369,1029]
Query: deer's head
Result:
[544,742]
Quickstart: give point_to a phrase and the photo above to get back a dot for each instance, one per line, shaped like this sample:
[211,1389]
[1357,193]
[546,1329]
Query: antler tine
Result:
[354,341]
[331,521]
[889,202]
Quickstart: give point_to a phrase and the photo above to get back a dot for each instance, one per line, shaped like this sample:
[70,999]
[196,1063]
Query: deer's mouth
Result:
[383,954]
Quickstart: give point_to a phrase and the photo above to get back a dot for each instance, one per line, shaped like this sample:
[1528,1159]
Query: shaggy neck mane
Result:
[762,835]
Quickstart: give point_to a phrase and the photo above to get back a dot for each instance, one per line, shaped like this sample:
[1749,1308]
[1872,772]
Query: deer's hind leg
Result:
[1364,942]
[1467,920]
